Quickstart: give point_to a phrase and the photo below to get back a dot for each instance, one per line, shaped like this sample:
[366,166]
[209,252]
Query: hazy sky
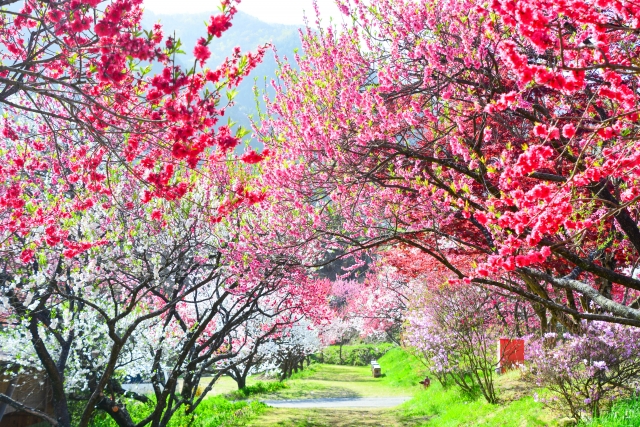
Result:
[277,11]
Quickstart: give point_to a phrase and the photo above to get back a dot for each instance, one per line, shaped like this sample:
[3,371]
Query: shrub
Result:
[587,372]
[354,355]
[456,330]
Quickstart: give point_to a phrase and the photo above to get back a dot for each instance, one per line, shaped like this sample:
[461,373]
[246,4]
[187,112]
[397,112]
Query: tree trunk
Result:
[241,381]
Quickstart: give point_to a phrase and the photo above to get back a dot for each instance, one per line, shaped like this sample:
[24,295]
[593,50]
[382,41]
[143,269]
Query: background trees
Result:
[456,330]
[163,299]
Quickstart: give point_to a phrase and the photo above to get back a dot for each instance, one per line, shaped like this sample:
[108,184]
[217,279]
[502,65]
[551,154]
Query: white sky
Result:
[276,11]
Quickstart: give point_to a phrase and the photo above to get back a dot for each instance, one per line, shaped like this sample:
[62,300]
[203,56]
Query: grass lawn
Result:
[214,411]
[432,407]
[284,417]
[401,372]
[449,408]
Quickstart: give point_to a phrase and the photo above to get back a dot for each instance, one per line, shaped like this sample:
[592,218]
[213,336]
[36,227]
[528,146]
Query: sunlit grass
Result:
[329,381]
[440,407]
[283,417]
[625,413]
[214,411]
[226,385]
[261,387]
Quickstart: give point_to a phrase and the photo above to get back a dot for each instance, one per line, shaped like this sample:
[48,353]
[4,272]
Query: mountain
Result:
[248,33]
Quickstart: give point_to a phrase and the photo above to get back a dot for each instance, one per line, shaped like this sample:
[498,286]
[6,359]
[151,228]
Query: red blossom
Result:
[218,25]
[201,51]
[252,157]
[27,255]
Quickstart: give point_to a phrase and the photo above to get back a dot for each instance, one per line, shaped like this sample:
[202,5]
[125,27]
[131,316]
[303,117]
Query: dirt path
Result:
[337,396]
[361,402]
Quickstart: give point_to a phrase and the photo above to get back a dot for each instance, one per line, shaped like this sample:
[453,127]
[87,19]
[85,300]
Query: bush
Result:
[260,387]
[587,372]
[353,355]
[456,328]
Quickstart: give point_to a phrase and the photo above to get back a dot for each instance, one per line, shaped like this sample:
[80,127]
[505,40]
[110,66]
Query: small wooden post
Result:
[376,371]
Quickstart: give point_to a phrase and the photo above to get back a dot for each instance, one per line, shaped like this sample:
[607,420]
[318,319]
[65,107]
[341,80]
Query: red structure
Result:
[510,353]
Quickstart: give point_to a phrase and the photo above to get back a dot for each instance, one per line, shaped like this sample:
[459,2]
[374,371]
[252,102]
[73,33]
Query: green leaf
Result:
[242,132]
[231,94]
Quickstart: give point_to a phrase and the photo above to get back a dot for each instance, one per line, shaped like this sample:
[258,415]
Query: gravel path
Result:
[359,402]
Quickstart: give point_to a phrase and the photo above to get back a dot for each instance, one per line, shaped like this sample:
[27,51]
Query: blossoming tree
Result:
[160,298]
[106,266]
[505,130]
[80,101]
